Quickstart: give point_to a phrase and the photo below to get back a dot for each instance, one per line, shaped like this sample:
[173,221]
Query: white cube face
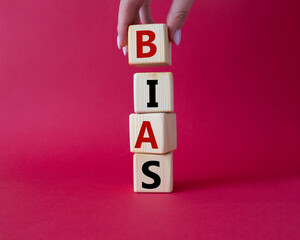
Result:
[153,172]
[153,133]
[149,45]
[153,92]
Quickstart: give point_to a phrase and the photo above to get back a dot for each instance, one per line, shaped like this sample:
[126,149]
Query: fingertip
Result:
[123,41]
[177,37]
[127,15]
[122,36]
[171,31]
[176,18]
[125,50]
[118,42]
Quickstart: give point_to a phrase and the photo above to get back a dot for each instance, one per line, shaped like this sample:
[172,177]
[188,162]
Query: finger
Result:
[136,20]
[176,18]
[145,13]
[128,10]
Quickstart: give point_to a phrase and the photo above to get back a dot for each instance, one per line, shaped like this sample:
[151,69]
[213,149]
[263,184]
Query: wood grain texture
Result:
[164,92]
[164,171]
[164,130]
[163,56]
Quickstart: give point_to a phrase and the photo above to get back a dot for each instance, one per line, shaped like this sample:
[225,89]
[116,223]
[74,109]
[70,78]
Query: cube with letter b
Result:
[149,45]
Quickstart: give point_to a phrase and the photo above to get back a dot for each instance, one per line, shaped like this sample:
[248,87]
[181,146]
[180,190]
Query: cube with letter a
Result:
[149,45]
[153,133]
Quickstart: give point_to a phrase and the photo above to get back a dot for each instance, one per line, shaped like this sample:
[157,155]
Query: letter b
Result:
[140,43]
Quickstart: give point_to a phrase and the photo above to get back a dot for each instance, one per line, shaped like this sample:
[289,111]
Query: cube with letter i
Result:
[149,45]
[153,92]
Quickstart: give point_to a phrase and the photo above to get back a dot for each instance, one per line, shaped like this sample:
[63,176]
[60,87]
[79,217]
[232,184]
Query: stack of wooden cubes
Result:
[153,135]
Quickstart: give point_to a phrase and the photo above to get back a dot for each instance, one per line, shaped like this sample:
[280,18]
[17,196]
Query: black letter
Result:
[147,172]
[152,95]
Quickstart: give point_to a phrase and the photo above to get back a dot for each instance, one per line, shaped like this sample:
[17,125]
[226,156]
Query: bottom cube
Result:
[153,172]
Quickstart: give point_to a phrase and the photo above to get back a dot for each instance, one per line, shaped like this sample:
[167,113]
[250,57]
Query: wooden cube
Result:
[153,133]
[153,173]
[149,45]
[153,92]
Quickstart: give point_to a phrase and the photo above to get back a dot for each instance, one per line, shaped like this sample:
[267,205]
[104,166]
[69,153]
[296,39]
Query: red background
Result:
[66,92]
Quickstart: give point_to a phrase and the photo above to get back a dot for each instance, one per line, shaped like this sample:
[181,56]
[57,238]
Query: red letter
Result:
[140,44]
[141,138]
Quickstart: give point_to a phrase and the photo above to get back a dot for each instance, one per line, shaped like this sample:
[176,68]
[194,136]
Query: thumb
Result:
[176,18]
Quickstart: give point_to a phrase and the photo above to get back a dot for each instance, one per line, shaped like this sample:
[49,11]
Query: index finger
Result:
[128,14]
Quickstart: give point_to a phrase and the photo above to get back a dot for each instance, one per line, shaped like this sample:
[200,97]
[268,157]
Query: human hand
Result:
[136,11]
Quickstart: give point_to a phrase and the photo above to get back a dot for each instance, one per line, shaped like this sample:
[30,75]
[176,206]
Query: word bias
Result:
[153,136]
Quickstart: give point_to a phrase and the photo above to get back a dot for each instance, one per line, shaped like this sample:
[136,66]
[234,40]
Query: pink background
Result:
[66,92]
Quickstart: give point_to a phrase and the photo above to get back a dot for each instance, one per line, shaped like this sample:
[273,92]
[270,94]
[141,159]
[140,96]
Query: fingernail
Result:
[125,50]
[177,37]
[118,42]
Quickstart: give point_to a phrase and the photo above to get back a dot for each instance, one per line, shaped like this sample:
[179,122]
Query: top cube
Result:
[149,45]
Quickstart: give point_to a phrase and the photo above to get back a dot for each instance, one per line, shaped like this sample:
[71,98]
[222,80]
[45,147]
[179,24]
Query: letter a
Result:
[140,43]
[141,138]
